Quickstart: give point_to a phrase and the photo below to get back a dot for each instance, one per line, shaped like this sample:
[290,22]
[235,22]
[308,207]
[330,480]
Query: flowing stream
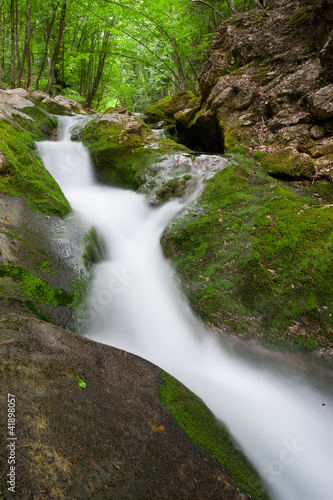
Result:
[281,417]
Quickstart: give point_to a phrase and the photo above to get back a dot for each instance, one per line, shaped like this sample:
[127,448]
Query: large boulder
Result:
[114,437]
[266,73]
[124,149]
[288,163]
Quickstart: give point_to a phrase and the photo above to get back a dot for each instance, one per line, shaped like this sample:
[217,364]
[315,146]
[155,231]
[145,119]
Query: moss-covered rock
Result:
[166,108]
[173,188]
[289,164]
[266,81]
[302,16]
[26,175]
[36,279]
[94,248]
[37,121]
[123,148]
[256,257]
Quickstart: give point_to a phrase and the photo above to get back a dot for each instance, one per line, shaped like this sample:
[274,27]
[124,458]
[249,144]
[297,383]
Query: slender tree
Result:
[54,59]
[13,28]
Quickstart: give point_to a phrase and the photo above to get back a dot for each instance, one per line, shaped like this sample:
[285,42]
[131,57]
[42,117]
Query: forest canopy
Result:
[105,52]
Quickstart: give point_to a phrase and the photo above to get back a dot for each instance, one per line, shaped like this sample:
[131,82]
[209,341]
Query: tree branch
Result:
[209,5]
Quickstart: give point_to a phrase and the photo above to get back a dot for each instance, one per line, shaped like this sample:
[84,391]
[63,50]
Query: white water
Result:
[274,414]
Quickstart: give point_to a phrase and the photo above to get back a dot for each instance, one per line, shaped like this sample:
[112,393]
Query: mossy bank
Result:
[255,256]
[36,279]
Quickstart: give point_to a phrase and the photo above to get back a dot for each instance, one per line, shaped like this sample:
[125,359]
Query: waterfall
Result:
[279,417]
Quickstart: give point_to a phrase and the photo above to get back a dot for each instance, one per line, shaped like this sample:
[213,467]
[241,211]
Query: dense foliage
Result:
[104,52]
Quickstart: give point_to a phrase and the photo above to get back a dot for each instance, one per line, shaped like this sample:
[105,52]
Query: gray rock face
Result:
[12,101]
[321,103]
[267,81]
[126,122]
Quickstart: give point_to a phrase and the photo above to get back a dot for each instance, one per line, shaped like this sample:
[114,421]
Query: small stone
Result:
[317,132]
[3,164]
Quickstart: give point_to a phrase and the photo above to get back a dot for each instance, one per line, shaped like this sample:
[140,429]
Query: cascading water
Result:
[281,421]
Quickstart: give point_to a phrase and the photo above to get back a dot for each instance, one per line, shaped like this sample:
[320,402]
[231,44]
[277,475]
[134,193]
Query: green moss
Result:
[302,16]
[46,266]
[94,249]
[201,427]
[165,109]
[231,142]
[37,311]
[27,176]
[173,188]
[35,288]
[288,164]
[40,126]
[79,293]
[269,265]
[16,237]
[122,159]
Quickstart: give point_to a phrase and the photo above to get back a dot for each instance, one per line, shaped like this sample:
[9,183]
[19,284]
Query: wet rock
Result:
[38,95]
[173,188]
[124,149]
[113,439]
[225,97]
[126,122]
[317,132]
[264,79]
[285,119]
[34,272]
[15,98]
[62,105]
[326,57]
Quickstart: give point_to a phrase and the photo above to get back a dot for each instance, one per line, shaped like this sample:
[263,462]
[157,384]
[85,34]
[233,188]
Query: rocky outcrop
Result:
[125,151]
[165,109]
[113,438]
[267,84]
[36,279]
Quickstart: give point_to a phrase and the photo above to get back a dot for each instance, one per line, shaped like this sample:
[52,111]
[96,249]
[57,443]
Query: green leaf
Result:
[81,382]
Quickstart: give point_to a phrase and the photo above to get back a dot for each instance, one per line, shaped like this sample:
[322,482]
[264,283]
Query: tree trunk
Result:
[27,47]
[231,7]
[12,24]
[17,47]
[47,40]
[98,76]
[57,47]
[180,72]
